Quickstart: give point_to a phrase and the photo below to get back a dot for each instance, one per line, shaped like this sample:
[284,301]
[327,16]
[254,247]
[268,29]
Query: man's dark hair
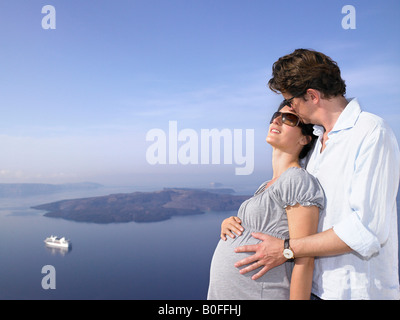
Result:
[307,69]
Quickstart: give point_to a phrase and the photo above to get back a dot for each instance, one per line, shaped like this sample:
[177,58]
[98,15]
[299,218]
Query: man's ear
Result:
[314,95]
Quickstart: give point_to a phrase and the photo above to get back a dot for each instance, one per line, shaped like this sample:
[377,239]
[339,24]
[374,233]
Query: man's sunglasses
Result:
[290,119]
[288,102]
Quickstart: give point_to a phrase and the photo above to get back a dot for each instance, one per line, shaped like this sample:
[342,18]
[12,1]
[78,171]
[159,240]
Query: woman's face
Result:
[284,137]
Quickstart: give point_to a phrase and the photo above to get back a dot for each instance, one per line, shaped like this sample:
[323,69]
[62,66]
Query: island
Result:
[144,206]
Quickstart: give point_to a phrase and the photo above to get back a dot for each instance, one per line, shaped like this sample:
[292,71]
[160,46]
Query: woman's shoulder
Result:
[299,186]
[298,173]
[300,179]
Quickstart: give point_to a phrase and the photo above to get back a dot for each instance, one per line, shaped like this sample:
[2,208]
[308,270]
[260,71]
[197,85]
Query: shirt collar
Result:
[318,130]
[347,118]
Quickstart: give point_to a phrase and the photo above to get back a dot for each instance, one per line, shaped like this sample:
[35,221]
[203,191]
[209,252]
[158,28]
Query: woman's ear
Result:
[305,140]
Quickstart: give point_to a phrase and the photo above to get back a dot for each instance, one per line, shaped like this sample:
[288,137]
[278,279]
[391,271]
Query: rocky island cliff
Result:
[143,206]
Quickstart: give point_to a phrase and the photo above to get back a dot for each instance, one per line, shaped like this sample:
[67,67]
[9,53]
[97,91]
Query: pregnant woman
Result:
[287,206]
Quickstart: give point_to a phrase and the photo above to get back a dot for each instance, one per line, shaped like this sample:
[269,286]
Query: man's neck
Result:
[330,112]
[331,109]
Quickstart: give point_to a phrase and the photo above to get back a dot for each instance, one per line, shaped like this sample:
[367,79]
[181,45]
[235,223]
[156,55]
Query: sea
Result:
[166,260]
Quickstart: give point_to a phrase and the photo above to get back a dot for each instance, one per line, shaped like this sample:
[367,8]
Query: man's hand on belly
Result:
[268,255]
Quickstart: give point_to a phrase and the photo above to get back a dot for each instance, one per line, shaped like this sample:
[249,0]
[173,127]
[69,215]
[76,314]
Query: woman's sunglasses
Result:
[290,119]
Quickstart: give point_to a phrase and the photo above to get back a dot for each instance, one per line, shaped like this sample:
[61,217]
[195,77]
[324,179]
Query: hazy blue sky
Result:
[77,101]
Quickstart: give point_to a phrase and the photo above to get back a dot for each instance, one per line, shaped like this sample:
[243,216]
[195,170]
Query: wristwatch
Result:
[287,251]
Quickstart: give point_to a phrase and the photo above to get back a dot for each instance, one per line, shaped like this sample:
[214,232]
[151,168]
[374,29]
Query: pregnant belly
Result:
[225,257]
[245,239]
[227,283]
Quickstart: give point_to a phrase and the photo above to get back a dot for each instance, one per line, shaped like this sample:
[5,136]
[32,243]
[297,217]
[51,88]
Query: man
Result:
[356,159]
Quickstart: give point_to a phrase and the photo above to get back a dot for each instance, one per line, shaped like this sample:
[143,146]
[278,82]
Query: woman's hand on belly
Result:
[230,225]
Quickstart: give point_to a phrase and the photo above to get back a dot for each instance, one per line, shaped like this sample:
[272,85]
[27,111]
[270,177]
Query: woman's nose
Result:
[278,120]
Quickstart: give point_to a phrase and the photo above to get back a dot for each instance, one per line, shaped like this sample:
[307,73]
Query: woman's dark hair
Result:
[306,130]
[307,69]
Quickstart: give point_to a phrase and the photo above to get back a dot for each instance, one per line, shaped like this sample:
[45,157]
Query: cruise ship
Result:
[57,242]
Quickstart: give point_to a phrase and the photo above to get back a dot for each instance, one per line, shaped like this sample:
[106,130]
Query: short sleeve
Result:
[297,186]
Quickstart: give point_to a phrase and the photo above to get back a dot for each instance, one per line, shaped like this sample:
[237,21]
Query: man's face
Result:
[299,106]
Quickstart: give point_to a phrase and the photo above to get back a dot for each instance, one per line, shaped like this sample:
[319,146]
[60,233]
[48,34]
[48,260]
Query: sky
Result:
[82,100]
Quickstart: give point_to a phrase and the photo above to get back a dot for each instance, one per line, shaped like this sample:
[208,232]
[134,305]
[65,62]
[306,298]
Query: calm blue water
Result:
[161,260]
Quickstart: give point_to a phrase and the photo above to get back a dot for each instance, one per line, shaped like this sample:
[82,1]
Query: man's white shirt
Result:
[359,171]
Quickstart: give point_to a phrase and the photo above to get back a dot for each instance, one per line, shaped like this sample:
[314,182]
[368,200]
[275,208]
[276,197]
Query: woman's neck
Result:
[281,161]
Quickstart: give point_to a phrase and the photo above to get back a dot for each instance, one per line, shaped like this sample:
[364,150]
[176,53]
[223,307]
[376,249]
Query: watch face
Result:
[288,254]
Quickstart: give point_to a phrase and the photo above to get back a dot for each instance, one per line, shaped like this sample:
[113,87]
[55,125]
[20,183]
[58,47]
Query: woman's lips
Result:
[273,130]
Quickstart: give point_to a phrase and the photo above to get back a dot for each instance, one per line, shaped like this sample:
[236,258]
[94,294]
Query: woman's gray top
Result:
[264,212]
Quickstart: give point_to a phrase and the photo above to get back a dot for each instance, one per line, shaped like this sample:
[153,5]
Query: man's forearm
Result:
[322,244]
